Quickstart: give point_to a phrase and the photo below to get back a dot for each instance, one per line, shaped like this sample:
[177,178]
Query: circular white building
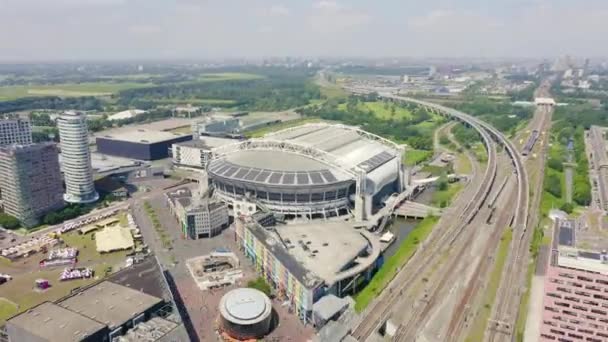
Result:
[245,313]
[317,170]
[76,158]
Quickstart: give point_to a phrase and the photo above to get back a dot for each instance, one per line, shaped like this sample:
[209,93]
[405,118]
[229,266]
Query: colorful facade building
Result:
[303,265]
[575,305]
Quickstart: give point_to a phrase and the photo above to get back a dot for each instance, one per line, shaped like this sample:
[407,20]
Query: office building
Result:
[575,305]
[76,158]
[30,181]
[198,215]
[15,131]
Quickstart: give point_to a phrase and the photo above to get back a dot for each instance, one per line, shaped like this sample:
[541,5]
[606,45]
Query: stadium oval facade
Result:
[311,170]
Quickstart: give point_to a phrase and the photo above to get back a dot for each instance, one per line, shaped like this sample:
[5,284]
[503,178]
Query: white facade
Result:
[15,131]
[191,156]
[76,158]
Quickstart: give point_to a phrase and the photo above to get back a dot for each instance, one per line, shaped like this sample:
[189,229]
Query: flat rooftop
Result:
[316,251]
[143,136]
[53,322]
[110,303]
[324,248]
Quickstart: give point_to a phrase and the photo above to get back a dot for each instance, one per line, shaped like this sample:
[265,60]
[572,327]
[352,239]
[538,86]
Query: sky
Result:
[39,30]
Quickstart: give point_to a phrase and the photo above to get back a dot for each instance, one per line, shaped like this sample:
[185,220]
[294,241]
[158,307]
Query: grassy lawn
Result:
[462,164]
[481,320]
[414,157]
[68,89]
[520,325]
[383,110]
[388,271]
[443,198]
[260,132]
[7,309]
[333,92]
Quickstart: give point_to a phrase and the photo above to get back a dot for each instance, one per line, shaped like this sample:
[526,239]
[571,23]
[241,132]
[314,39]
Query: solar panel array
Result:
[226,169]
[376,161]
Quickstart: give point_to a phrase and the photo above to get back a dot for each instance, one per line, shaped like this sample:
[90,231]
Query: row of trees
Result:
[51,102]
[267,94]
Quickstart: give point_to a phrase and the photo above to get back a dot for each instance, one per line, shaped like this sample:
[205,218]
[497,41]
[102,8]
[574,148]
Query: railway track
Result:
[381,310]
[506,309]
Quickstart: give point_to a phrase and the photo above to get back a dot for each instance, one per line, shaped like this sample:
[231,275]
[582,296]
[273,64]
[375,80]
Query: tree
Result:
[9,222]
[261,285]
[555,164]
[553,185]
[567,207]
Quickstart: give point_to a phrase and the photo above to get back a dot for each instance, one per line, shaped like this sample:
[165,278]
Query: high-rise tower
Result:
[76,158]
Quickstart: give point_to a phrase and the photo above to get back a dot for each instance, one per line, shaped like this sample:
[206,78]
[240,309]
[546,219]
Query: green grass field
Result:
[382,110]
[7,309]
[228,76]
[388,271]
[481,320]
[68,89]
[413,156]
[444,198]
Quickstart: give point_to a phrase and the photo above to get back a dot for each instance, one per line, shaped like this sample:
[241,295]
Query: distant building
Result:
[199,216]
[30,181]
[140,144]
[127,114]
[575,305]
[217,126]
[76,158]
[15,131]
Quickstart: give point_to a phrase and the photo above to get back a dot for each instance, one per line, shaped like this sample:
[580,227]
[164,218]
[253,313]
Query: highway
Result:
[453,240]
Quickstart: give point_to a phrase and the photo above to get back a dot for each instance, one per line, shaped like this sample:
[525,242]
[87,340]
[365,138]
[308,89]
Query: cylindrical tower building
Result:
[245,314]
[76,158]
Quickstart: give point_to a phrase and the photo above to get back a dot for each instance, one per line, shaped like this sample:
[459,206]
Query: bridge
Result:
[416,210]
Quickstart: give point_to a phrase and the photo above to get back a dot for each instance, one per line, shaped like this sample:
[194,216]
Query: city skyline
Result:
[133,29]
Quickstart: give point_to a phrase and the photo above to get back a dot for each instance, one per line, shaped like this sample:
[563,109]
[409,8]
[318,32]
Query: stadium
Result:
[315,170]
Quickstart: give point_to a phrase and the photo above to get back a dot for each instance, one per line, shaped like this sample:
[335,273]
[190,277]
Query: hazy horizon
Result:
[115,30]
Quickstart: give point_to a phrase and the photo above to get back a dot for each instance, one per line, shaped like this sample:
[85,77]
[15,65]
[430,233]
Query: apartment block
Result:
[575,305]
[30,181]
[15,131]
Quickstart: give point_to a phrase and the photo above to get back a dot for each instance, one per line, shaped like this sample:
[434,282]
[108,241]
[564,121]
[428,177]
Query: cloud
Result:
[278,11]
[326,5]
[332,17]
[144,29]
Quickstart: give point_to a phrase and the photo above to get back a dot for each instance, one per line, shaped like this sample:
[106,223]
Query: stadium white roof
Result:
[350,145]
